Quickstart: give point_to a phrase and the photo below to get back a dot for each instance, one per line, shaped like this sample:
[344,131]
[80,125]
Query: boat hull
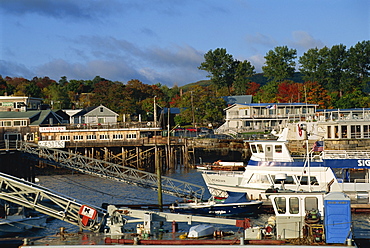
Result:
[237,209]
[13,226]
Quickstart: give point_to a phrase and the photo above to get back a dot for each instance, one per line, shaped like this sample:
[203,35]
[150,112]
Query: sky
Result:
[164,41]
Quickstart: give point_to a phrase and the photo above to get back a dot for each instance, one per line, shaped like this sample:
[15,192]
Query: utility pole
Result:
[192,108]
[155,113]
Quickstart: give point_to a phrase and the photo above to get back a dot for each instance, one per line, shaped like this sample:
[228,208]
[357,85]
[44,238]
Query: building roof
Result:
[36,117]
[19,98]
[89,109]
[274,105]
[19,115]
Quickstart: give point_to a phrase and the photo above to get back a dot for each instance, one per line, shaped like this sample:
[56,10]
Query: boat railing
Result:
[342,154]
[357,180]
[223,173]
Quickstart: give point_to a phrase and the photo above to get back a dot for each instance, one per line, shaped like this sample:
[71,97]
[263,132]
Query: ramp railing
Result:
[111,171]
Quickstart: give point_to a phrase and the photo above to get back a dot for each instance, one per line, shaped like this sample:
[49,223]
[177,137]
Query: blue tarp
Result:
[236,197]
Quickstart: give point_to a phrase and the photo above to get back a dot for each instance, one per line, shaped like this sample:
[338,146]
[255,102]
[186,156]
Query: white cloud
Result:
[258,61]
[261,39]
[303,40]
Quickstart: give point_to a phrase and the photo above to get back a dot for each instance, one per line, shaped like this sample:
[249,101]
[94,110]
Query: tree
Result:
[33,90]
[288,91]
[200,105]
[337,65]
[267,93]
[280,64]
[314,93]
[109,94]
[243,73]
[359,65]
[314,65]
[252,88]
[220,66]
[3,86]
[57,96]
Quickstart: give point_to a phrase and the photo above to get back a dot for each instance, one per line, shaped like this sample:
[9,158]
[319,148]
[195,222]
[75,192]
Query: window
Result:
[304,180]
[65,137]
[278,148]
[268,149]
[366,131]
[254,149]
[117,136]
[344,131]
[91,137]
[311,203]
[20,123]
[329,132]
[19,105]
[131,136]
[78,137]
[294,205]
[336,134]
[280,203]
[258,178]
[104,137]
[101,109]
[355,131]
[288,180]
[260,148]
[7,123]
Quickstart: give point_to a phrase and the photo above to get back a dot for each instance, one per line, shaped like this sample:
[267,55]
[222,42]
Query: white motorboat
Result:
[236,204]
[271,167]
[202,230]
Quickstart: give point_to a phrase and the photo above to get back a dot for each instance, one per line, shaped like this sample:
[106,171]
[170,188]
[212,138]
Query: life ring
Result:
[78,125]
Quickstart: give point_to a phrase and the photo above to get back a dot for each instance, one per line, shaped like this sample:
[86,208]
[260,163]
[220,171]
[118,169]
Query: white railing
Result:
[343,154]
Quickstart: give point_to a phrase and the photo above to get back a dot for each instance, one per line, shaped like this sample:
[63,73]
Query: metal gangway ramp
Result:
[111,171]
[46,201]
[65,208]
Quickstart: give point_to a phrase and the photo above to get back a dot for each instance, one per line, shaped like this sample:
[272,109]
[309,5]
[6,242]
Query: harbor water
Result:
[96,191]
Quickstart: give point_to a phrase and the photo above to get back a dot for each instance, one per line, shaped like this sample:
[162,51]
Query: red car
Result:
[192,129]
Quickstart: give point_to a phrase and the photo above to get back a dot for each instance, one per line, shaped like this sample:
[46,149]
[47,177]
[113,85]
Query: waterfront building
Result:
[19,103]
[264,116]
[92,115]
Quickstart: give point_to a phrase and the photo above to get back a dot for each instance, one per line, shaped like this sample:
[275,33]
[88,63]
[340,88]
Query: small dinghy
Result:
[202,230]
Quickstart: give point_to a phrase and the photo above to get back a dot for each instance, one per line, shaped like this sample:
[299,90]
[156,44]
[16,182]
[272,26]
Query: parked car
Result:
[193,129]
[179,129]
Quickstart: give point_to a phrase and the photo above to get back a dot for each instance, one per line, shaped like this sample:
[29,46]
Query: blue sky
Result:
[164,41]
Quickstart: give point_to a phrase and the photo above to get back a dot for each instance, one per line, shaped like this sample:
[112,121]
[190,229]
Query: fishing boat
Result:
[17,219]
[301,219]
[271,167]
[236,204]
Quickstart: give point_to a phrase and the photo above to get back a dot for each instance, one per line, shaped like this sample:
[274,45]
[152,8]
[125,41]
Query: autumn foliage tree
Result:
[288,91]
[252,88]
[314,93]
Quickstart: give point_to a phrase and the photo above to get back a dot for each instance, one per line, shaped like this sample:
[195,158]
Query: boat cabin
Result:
[317,216]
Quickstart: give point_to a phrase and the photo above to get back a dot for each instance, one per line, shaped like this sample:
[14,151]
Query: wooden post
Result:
[159,182]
